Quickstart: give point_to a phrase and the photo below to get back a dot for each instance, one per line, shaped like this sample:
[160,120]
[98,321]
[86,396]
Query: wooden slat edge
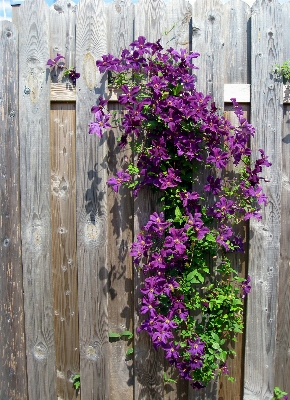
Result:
[62,92]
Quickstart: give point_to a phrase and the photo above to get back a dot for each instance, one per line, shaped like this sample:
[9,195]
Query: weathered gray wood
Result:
[120,225]
[91,44]
[120,31]
[120,276]
[150,20]
[148,363]
[266,116]
[177,16]
[12,341]
[35,198]
[237,35]
[63,201]
[282,359]
[208,39]
[64,266]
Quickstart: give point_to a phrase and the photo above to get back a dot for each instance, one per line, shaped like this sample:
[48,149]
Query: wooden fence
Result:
[66,277]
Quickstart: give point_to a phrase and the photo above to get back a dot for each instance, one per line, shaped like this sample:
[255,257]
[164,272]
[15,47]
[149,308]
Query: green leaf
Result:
[127,334]
[169,380]
[129,351]
[114,335]
[178,213]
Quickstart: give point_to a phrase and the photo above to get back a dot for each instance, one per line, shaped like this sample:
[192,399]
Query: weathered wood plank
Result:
[148,364]
[266,116]
[13,376]
[235,364]
[63,215]
[208,38]
[91,167]
[120,271]
[120,225]
[237,59]
[150,20]
[62,92]
[241,92]
[178,15]
[35,198]
[63,202]
[120,31]
[282,358]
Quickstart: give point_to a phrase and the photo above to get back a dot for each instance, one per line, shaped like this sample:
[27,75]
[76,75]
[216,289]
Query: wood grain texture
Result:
[91,167]
[208,39]
[148,363]
[150,20]
[282,357]
[120,30]
[13,380]
[62,92]
[178,15]
[234,390]
[35,198]
[63,202]
[120,271]
[266,116]
[237,33]
[64,266]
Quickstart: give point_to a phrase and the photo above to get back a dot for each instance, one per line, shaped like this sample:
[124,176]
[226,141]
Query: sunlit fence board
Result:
[12,341]
[266,116]
[35,198]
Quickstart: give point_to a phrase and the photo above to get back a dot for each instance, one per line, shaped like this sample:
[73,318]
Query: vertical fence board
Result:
[120,274]
[150,20]
[282,360]
[236,22]
[148,363]
[120,30]
[237,28]
[208,40]
[178,15]
[12,342]
[235,364]
[91,44]
[35,198]
[63,191]
[63,200]
[120,224]
[266,116]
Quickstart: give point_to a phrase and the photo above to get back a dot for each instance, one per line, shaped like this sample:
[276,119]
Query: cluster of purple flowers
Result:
[177,128]
[59,62]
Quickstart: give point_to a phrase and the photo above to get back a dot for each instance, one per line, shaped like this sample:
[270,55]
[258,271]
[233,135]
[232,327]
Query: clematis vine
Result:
[183,150]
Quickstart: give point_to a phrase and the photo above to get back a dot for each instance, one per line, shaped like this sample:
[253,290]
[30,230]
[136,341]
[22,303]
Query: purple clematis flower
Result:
[100,124]
[122,176]
[246,287]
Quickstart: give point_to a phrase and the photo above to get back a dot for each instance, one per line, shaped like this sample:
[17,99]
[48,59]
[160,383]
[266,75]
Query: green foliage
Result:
[279,394]
[77,381]
[283,70]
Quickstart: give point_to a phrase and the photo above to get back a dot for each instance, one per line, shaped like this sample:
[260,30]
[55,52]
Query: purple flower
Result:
[224,369]
[122,176]
[246,287]
[53,62]
[218,157]
[196,347]
[225,233]
[188,198]
[100,124]
[197,224]
[167,180]
[176,240]
[149,305]
[100,106]
[129,95]
[73,75]
[222,208]
[214,185]
[171,351]
[157,224]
